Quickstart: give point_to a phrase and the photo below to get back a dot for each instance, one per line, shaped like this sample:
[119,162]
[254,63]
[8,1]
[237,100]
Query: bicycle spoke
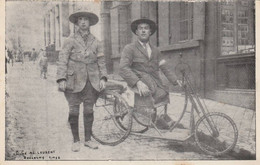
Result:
[223,142]
[106,128]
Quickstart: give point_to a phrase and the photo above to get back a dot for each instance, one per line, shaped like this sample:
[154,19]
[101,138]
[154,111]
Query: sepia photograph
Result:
[99,80]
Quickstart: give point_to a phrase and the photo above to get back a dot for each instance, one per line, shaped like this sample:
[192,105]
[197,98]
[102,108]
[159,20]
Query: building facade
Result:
[217,40]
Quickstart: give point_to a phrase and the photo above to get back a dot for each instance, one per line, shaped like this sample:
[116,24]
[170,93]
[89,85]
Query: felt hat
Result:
[93,18]
[152,24]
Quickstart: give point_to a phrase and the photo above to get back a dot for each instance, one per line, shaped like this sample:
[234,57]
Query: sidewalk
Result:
[245,119]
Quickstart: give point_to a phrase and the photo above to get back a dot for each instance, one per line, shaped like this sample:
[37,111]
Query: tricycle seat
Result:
[112,86]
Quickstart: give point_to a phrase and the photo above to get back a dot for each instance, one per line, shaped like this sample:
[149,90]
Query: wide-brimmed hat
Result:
[93,18]
[152,24]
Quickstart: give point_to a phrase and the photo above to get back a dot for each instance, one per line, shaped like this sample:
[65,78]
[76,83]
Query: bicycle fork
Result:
[191,91]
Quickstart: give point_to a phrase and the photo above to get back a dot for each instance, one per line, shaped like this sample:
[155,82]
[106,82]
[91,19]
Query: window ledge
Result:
[238,91]
[118,4]
[244,55]
[182,45]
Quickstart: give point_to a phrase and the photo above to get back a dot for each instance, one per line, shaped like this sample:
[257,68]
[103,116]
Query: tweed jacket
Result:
[135,65]
[79,62]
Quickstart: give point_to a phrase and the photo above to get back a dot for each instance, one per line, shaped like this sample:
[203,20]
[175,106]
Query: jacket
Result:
[135,65]
[79,62]
[43,62]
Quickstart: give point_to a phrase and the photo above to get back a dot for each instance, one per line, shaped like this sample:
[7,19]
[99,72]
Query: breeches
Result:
[88,96]
[44,68]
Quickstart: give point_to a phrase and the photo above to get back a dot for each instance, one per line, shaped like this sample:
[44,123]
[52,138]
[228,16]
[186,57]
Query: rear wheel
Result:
[106,128]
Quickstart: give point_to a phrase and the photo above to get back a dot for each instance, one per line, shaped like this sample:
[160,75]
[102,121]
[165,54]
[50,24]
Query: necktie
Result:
[85,38]
[146,50]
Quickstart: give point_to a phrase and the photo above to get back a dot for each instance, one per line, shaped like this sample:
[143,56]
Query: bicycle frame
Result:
[196,104]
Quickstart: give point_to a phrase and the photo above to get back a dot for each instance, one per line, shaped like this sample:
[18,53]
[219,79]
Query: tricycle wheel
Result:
[216,143]
[106,129]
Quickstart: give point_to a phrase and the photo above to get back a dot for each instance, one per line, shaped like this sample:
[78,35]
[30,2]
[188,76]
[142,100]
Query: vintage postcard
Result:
[164,81]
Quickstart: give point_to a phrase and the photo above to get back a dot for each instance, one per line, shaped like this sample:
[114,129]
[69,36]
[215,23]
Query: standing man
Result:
[139,67]
[11,57]
[21,55]
[33,56]
[81,74]
[43,64]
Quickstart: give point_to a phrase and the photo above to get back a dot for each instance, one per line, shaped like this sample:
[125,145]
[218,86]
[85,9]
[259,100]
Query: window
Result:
[52,26]
[45,32]
[237,27]
[186,21]
[65,20]
[48,29]
[124,18]
[57,23]
[236,64]
[120,29]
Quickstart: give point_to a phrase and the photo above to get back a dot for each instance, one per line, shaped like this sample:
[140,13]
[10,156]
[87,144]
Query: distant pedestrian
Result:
[21,55]
[33,55]
[10,56]
[43,63]
[6,60]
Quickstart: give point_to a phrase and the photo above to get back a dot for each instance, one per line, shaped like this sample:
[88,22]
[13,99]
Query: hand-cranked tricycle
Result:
[215,133]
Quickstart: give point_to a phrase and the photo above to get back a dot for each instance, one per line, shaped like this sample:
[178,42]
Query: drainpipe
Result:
[106,34]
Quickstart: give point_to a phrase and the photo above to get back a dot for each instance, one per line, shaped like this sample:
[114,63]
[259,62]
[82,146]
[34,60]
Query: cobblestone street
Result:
[37,128]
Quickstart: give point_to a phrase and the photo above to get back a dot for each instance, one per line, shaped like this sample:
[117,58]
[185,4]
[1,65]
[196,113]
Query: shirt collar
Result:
[143,44]
[85,35]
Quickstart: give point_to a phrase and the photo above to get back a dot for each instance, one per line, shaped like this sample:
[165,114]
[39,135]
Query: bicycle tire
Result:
[212,145]
[111,134]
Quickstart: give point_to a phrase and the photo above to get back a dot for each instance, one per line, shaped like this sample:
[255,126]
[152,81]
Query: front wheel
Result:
[212,143]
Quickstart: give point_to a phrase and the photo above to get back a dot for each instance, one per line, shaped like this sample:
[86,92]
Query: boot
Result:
[45,77]
[75,147]
[88,122]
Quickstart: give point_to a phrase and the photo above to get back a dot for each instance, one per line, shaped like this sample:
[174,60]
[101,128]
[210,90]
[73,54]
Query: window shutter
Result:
[199,21]
[136,12]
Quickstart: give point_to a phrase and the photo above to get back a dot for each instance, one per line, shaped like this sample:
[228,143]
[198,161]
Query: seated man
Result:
[139,67]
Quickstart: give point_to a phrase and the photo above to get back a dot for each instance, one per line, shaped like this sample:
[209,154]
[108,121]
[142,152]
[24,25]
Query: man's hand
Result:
[102,84]
[62,85]
[142,88]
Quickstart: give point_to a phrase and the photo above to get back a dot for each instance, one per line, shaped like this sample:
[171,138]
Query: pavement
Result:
[46,132]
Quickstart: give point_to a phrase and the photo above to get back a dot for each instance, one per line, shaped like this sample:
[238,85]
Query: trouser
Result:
[88,96]
[43,71]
